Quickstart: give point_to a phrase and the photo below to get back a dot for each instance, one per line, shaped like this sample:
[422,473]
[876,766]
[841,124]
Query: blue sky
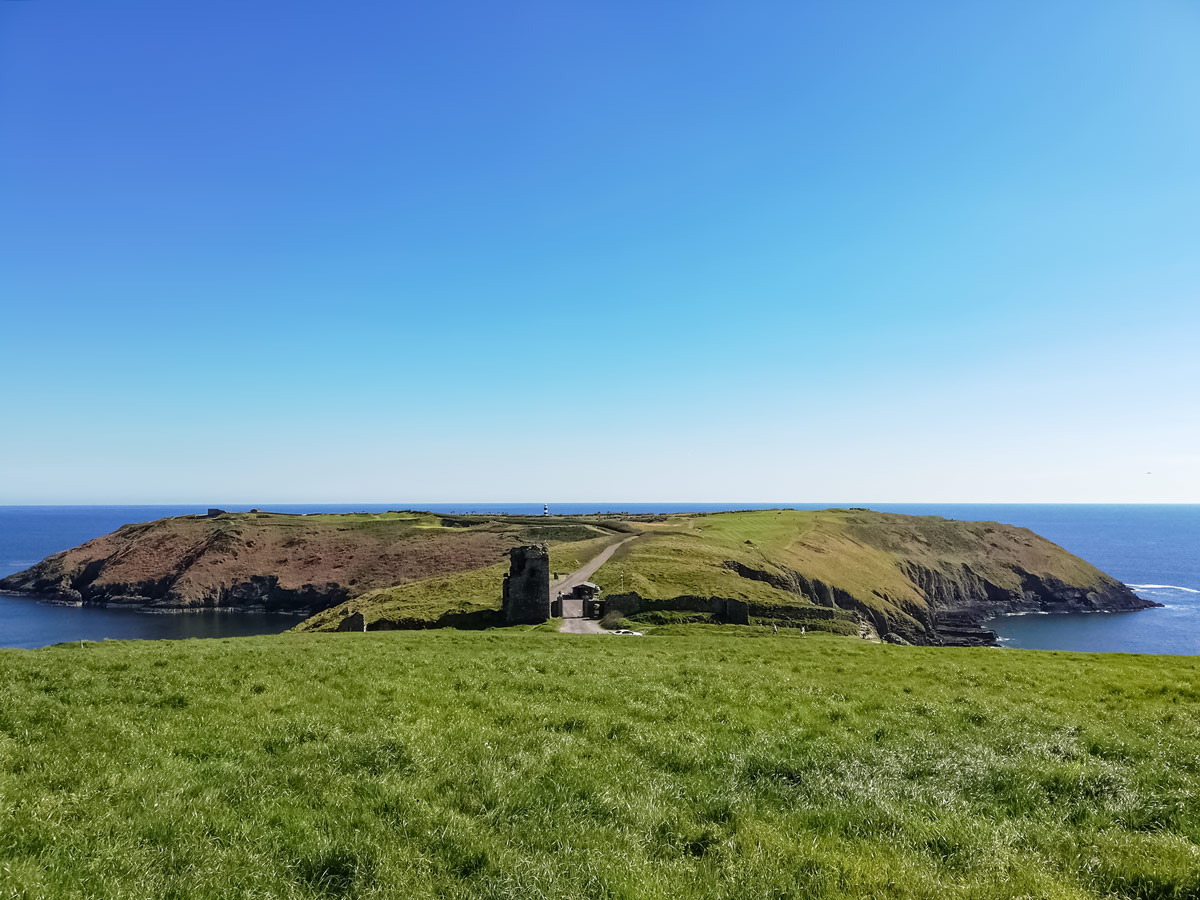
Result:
[300,251]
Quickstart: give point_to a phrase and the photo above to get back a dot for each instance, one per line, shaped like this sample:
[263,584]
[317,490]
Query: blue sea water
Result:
[1155,549]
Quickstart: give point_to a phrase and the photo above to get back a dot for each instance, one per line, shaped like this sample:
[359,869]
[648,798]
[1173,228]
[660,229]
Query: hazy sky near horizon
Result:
[299,251]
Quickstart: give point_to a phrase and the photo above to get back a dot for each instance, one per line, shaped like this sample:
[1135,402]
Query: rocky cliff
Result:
[957,600]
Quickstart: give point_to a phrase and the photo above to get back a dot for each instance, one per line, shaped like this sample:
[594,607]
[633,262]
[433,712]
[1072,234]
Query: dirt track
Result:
[573,621]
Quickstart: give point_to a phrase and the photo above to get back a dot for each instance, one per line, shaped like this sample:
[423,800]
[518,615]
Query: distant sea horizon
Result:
[1153,548]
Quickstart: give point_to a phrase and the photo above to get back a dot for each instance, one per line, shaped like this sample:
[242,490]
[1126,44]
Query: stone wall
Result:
[526,597]
[726,609]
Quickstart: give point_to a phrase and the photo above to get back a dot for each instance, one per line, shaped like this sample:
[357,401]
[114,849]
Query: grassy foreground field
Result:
[524,763]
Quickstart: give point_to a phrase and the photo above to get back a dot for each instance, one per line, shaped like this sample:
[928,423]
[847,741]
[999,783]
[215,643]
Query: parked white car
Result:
[627,631]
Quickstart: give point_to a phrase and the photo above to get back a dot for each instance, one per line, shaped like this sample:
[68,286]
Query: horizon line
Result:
[782,504]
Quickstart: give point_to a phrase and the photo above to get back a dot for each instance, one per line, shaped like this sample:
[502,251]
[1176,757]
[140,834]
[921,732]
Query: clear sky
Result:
[310,251]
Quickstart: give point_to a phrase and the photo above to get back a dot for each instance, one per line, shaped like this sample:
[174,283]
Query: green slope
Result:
[898,572]
[519,763]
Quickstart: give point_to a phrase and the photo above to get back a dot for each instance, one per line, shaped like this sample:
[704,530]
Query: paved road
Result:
[573,621]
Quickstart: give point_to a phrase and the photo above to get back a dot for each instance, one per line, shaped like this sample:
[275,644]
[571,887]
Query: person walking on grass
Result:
[774,629]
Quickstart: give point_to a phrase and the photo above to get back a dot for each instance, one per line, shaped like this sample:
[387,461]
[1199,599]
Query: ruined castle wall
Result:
[526,598]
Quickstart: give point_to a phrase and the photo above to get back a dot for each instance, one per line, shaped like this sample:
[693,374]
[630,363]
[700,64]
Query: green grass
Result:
[521,763]
[685,556]
[424,601]
[684,561]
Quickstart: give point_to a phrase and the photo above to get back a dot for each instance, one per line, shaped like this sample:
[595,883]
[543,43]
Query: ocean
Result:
[1155,549]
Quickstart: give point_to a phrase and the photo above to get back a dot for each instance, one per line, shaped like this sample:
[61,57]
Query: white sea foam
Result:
[1161,587]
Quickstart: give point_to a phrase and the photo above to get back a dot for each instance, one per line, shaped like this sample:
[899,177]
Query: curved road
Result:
[573,621]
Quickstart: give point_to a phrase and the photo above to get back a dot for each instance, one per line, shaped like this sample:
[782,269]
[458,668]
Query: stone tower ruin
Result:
[527,586]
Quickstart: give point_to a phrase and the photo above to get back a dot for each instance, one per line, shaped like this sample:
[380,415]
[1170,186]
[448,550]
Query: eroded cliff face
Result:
[956,600]
[966,597]
[254,593]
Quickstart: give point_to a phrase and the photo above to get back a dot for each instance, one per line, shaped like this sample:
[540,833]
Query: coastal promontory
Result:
[925,580]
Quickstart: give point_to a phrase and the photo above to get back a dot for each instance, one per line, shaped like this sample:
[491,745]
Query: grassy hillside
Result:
[522,763]
[842,571]
[900,572]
